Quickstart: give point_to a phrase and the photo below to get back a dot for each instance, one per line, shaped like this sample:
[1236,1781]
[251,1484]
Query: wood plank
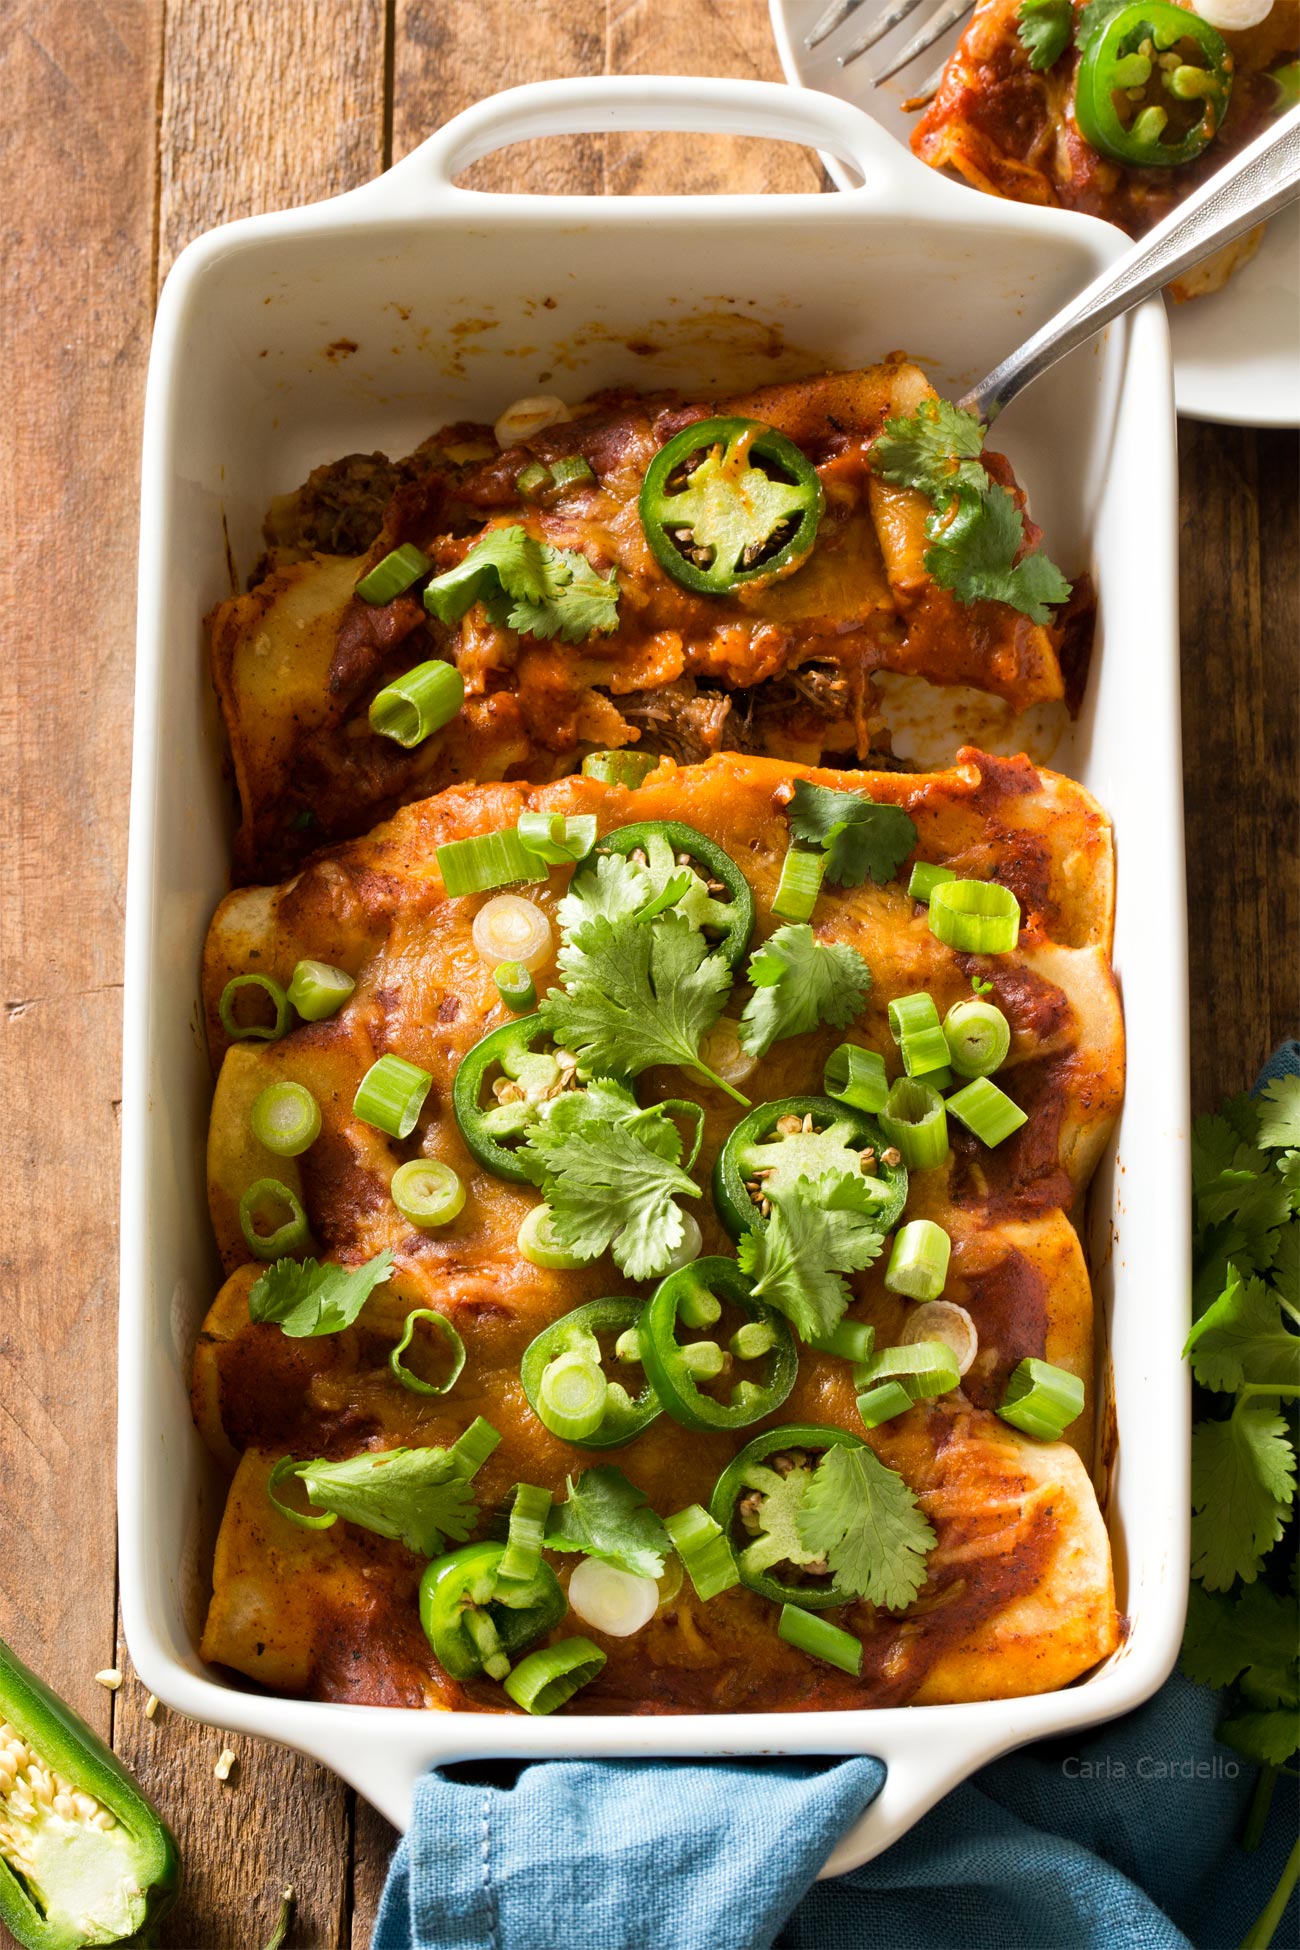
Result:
[76,149]
[254,118]
[1241,746]
[265,107]
[720,37]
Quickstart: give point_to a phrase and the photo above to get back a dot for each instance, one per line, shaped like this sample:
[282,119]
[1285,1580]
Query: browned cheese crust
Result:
[1019,1597]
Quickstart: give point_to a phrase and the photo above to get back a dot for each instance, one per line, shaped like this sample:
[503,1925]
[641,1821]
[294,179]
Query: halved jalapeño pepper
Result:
[507,1065]
[471,1628]
[622,1416]
[714,894]
[758,1367]
[728,502]
[803,1137]
[84,1856]
[1152,86]
[756,1501]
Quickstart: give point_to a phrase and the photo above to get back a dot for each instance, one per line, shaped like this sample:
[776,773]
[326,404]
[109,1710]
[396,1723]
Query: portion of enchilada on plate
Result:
[646,1203]
[755,607]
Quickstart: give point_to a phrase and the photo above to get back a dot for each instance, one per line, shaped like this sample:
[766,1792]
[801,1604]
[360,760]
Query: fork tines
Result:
[947,16]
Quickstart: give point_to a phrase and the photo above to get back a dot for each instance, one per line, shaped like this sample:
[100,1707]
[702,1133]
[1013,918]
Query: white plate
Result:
[286,340]
[1236,354]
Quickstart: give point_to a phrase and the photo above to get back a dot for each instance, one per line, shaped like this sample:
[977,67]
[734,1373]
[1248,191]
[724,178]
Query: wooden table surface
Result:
[129,127]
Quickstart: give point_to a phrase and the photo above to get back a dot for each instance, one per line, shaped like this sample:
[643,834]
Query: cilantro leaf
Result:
[1243,1338]
[618,887]
[607,1517]
[1268,1737]
[821,1229]
[575,601]
[932,450]
[1044,28]
[636,996]
[1286,1265]
[1252,1638]
[973,554]
[1092,18]
[799,981]
[611,1177]
[527,585]
[860,837]
[1243,1483]
[306,1299]
[419,1497]
[864,1520]
[1279,1122]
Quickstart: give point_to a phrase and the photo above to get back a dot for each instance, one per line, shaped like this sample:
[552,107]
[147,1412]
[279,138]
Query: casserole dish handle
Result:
[597,104]
[921,1768]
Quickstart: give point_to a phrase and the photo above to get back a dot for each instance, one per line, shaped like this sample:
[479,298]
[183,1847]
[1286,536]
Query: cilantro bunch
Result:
[1245,1353]
[977,533]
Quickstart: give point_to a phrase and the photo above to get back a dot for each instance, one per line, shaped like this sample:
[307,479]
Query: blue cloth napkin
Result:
[1125,1839]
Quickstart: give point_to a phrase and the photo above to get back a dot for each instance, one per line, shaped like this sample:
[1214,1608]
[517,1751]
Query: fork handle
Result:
[1252,186]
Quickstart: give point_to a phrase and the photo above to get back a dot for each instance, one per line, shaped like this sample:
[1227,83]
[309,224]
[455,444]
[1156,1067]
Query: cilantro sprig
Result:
[864,1520]
[819,1229]
[612,1177]
[1044,29]
[636,995]
[607,1517]
[527,585]
[800,980]
[976,531]
[305,1299]
[418,1497]
[1244,1348]
[860,838]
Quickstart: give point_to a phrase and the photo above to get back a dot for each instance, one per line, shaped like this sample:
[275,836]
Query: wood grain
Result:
[129,128]
[77,163]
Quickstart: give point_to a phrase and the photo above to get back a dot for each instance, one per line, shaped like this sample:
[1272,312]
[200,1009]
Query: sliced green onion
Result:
[799,886]
[918,1265]
[944,1320]
[285,1118]
[925,878]
[752,1340]
[557,840]
[1041,1399]
[852,1340]
[523,1552]
[615,1601]
[394,575]
[319,990]
[417,704]
[703,1549]
[987,1111]
[549,1677]
[626,768]
[305,1519]
[260,1201]
[572,1396]
[470,1451]
[915,1122]
[978,1037]
[391,1096]
[820,1639]
[926,1055]
[444,1327]
[238,1031]
[537,1242]
[922,1368]
[914,1024]
[857,1077]
[533,480]
[909,1015]
[488,860]
[515,986]
[572,471]
[883,1403]
[976,917]
[427,1192]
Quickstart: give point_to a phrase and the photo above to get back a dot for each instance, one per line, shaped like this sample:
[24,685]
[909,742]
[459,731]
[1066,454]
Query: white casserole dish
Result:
[439,292]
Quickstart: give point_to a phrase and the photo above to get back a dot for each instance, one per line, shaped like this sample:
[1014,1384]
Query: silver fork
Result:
[948,15]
